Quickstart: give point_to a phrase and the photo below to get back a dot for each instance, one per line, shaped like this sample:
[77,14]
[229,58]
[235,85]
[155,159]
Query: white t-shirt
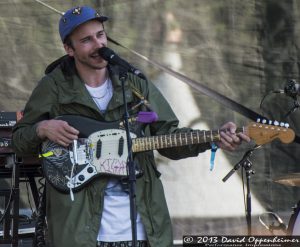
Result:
[115,222]
[102,94]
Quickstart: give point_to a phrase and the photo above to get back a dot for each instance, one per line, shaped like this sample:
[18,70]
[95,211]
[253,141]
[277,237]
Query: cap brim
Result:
[102,18]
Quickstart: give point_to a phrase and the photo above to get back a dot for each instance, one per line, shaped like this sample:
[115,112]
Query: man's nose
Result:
[99,43]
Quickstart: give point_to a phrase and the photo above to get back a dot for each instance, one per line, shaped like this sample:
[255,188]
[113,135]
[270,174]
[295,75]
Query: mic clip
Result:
[272,226]
[292,89]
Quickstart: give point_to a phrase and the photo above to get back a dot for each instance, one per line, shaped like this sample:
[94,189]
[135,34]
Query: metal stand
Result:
[12,198]
[15,169]
[130,163]
[247,165]
[293,109]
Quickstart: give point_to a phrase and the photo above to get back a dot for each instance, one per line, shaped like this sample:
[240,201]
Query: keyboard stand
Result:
[14,168]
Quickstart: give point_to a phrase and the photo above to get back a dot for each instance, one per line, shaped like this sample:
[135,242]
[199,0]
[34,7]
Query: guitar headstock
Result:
[263,133]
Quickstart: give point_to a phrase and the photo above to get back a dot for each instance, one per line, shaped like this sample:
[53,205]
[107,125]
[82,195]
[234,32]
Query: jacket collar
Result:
[73,90]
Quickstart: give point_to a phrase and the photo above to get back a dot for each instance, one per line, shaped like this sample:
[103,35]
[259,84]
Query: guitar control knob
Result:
[90,170]
[81,178]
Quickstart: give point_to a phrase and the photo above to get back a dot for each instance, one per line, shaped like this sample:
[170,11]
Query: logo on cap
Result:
[75,17]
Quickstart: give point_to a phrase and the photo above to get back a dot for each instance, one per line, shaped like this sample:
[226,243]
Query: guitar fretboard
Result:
[176,140]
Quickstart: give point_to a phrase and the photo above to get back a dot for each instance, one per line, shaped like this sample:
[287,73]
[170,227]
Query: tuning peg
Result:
[286,125]
[264,121]
[270,122]
[276,123]
[258,120]
[282,124]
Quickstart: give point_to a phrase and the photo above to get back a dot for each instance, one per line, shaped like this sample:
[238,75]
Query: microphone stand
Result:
[294,108]
[246,163]
[130,163]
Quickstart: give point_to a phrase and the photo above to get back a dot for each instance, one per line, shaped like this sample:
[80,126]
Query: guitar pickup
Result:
[121,146]
[98,149]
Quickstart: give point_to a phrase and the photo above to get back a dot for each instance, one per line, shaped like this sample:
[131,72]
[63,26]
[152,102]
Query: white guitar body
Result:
[103,152]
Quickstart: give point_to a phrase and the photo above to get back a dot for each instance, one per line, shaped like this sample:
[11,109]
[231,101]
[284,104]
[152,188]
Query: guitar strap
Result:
[248,113]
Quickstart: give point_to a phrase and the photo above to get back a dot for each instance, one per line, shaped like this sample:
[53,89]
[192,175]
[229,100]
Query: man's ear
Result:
[69,50]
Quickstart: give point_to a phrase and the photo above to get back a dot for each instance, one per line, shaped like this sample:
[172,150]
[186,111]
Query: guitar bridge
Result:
[83,167]
[81,154]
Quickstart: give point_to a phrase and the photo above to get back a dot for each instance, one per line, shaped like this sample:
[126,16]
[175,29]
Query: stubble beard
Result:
[90,65]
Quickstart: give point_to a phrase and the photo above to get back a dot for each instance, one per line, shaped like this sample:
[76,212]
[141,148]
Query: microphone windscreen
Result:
[106,53]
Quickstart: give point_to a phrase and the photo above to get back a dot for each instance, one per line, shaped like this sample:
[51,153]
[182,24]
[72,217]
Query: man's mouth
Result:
[95,55]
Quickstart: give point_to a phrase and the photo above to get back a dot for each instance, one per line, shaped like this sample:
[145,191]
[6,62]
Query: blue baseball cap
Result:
[75,17]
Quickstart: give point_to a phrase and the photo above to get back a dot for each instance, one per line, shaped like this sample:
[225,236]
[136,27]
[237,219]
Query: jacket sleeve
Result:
[38,108]
[168,124]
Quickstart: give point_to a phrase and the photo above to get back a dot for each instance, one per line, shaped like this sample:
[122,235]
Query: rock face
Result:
[242,49]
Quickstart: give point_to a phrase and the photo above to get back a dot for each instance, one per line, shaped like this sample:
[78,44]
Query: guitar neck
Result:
[176,140]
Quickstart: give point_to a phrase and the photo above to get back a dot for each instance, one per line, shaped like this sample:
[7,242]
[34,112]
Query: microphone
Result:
[112,58]
[292,89]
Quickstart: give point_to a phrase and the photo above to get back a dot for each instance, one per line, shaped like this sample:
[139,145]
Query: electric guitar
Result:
[101,149]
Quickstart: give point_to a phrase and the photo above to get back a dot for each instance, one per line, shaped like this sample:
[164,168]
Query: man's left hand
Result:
[230,140]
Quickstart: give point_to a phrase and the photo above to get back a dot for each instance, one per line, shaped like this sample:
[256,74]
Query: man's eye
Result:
[100,34]
[85,40]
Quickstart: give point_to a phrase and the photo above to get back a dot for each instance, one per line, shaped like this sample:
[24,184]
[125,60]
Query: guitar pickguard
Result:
[104,152]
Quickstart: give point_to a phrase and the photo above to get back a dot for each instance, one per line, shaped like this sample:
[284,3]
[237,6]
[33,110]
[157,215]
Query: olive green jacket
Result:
[76,223]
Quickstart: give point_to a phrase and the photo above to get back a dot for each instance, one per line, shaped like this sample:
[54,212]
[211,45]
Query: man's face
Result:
[86,41]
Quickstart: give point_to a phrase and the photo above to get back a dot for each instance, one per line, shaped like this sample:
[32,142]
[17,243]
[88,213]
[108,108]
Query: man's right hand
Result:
[57,131]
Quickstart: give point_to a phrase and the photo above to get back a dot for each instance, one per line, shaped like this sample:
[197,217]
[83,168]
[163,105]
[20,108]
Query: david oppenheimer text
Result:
[195,240]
